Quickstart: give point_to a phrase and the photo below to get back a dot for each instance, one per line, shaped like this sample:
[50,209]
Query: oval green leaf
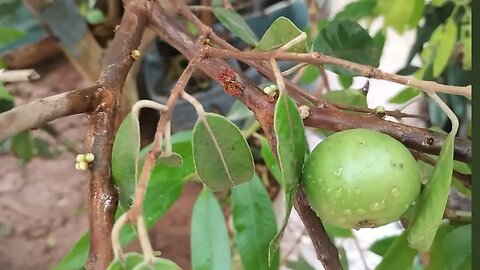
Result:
[254,224]
[131,260]
[347,96]
[347,40]
[401,15]
[125,152]
[269,159]
[210,245]
[433,199]
[399,255]
[280,32]
[158,264]
[452,248]
[405,95]
[222,156]
[291,148]
[236,24]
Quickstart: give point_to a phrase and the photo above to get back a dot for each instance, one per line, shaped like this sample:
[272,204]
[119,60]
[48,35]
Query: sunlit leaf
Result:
[254,223]
[9,35]
[158,264]
[236,24]
[222,156]
[405,95]
[280,33]
[357,10]
[440,46]
[408,18]
[210,244]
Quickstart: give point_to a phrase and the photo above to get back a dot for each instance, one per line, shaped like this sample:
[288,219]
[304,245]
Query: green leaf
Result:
[77,256]
[348,97]
[452,248]
[238,111]
[438,3]
[405,95]
[401,14]
[310,75]
[254,224]
[466,41]
[433,199]
[440,47]
[6,100]
[358,10]
[300,264]
[380,247]
[399,255]
[42,148]
[222,156]
[209,237]
[174,160]
[164,188]
[345,81]
[270,160]
[95,16]
[125,154]
[23,146]
[158,264]
[337,232]
[291,148]
[9,35]
[347,40]
[131,260]
[236,24]
[280,33]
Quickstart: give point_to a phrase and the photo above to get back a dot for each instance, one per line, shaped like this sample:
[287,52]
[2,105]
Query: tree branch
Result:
[423,140]
[41,111]
[362,70]
[102,196]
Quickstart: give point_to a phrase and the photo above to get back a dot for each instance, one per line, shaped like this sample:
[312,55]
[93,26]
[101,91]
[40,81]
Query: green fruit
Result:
[158,264]
[130,261]
[361,178]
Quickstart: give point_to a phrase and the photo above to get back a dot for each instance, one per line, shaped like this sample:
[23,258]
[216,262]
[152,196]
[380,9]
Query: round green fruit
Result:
[361,178]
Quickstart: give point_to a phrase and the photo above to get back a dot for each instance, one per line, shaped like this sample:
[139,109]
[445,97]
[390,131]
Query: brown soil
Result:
[42,204]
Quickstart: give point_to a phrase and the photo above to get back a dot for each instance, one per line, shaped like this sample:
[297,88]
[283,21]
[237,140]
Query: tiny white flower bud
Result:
[89,157]
[83,165]
[80,157]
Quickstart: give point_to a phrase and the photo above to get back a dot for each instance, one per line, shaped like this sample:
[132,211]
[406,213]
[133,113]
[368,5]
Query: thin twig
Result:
[363,70]
[41,111]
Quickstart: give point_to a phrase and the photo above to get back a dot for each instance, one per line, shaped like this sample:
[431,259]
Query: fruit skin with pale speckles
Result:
[361,178]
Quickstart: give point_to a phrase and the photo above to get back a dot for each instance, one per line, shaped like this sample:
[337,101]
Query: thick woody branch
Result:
[41,111]
[102,197]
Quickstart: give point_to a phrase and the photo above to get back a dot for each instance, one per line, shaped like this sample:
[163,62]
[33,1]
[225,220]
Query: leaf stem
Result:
[293,42]
[116,245]
[195,103]
[450,114]
[278,75]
